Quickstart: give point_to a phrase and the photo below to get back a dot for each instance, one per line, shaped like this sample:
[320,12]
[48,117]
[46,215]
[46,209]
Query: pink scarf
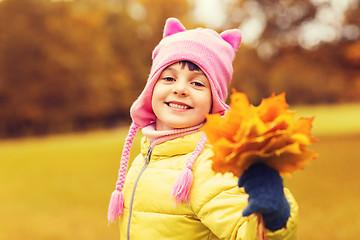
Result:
[158,137]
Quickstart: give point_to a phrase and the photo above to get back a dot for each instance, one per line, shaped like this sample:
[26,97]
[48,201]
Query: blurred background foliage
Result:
[78,65]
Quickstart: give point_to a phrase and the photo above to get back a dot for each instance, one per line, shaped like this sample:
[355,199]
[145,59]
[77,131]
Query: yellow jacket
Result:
[216,202]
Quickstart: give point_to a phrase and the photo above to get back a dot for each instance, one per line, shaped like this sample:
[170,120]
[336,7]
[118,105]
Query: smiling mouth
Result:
[179,106]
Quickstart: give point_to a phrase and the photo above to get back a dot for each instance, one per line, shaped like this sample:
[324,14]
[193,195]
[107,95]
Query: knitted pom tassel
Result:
[116,206]
[182,185]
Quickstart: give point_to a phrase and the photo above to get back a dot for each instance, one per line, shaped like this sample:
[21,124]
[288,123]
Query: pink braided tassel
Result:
[116,205]
[182,184]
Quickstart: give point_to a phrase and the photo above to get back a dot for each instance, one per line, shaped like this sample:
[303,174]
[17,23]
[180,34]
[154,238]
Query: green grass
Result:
[328,190]
[58,187]
[343,119]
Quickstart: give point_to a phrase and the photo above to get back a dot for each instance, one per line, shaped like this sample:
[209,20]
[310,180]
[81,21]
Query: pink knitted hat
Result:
[214,54]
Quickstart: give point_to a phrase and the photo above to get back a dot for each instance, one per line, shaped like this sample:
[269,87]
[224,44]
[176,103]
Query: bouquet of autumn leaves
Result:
[267,133]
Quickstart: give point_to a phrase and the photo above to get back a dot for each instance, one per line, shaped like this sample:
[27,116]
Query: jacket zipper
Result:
[147,161]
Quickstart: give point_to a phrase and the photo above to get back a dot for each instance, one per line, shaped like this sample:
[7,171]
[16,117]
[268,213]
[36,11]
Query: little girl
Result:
[171,191]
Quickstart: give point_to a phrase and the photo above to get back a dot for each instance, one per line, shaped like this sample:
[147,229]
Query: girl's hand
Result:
[266,195]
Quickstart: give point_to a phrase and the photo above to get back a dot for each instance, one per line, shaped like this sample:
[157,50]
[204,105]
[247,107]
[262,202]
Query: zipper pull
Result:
[148,155]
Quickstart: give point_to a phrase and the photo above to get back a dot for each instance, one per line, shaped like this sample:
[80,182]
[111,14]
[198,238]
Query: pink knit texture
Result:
[157,137]
[211,51]
[116,204]
[182,184]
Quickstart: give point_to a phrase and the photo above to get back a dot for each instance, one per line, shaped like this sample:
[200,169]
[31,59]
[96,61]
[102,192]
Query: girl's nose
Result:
[181,89]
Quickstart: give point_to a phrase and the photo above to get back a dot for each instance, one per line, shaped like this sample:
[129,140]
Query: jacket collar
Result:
[177,146]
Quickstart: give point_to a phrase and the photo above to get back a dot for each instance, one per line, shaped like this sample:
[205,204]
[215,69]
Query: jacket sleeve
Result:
[218,202]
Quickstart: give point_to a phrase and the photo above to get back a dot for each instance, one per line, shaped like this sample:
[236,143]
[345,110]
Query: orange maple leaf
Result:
[268,133]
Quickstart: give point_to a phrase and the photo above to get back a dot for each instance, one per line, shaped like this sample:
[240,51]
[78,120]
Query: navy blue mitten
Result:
[266,195]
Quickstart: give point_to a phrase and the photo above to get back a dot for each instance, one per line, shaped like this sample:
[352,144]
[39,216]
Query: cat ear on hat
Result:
[233,37]
[173,26]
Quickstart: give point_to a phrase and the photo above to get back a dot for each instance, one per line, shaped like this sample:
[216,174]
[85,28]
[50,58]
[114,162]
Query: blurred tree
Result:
[78,64]
[248,77]
[274,24]
[352,18]
[158,11]
[309,49]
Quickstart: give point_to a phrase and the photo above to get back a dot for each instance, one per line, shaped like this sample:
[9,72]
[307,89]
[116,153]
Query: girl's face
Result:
[181,98]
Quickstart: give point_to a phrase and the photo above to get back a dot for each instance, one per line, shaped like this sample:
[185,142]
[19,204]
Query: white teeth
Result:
[174,105]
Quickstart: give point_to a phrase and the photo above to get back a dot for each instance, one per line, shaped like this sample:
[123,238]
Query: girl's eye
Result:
[169,79]
[198,84]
